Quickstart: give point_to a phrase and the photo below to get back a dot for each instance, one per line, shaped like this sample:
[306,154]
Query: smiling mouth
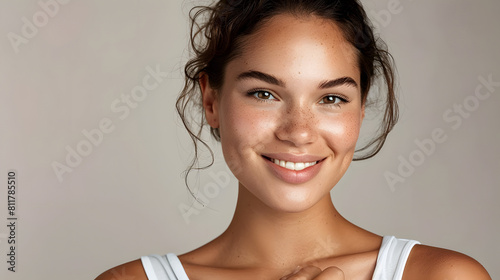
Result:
[296,166]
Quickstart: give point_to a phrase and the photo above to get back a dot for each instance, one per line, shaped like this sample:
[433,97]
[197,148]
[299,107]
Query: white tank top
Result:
[391,262]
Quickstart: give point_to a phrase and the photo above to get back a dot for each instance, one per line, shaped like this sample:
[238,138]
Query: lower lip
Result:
[294,176]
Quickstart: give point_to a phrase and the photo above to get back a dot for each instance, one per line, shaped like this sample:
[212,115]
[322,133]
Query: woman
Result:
[283,86]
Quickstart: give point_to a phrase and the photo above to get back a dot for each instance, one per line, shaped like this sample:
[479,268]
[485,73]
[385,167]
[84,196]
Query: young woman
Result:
[283,86]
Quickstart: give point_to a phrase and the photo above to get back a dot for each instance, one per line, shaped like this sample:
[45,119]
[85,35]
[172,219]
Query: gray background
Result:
[123,200]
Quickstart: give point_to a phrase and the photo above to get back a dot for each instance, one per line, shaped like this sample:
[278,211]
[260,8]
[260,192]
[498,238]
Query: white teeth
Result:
[300,166]
[293,165]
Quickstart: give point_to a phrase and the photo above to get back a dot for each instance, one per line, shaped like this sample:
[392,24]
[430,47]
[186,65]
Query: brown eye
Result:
[332,99]
[263,95]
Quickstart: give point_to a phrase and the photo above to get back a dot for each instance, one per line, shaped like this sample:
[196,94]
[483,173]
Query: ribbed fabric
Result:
[391,262]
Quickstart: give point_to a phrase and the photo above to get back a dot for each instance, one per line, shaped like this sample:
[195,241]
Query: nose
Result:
[297,126]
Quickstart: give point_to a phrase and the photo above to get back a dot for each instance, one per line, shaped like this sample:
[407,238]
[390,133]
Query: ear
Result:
[210,102]
[363,112]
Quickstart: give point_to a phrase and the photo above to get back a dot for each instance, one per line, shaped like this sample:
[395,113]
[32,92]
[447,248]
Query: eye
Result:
[262,94]
[333,100]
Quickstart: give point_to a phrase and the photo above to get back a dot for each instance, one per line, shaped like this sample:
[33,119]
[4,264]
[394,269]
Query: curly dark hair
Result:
[217,34]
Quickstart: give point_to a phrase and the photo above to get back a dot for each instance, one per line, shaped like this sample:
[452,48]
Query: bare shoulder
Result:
[437,263]
[128,271]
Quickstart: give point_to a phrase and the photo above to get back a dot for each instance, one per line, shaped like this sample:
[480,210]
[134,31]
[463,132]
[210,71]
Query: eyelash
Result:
[342,99]
[254,93]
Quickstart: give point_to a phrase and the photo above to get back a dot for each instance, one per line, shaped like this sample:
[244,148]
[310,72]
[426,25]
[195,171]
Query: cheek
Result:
[243,130]
[341,132]
[241,121]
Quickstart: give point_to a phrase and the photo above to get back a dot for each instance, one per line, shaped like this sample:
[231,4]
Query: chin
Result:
[294,201]
[293,206]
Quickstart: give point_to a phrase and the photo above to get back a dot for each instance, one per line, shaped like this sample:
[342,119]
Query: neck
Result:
[261,236]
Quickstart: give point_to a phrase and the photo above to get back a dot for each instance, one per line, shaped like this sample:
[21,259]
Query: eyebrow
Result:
[348,81]
[270,79]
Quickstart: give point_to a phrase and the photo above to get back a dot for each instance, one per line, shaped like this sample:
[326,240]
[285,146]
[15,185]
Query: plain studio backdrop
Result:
[88,124]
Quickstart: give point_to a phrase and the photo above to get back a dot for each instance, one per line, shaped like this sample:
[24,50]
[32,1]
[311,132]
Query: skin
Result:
[285,226]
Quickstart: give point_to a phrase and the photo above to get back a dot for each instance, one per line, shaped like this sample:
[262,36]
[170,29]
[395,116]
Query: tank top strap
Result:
[392,257]
[166,267]
[391,262]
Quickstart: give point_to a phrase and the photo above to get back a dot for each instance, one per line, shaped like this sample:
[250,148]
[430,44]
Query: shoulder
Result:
[127,271]
[437,263]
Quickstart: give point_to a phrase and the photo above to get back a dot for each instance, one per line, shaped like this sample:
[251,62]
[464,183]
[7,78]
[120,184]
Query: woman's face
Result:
[289,111]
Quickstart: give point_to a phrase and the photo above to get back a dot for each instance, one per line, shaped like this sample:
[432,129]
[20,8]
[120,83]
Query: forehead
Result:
[293,46]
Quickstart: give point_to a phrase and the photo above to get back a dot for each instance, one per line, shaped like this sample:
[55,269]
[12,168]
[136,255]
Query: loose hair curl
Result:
[217,34]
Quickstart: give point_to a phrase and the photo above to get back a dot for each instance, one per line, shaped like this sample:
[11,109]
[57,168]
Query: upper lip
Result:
[293,158]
